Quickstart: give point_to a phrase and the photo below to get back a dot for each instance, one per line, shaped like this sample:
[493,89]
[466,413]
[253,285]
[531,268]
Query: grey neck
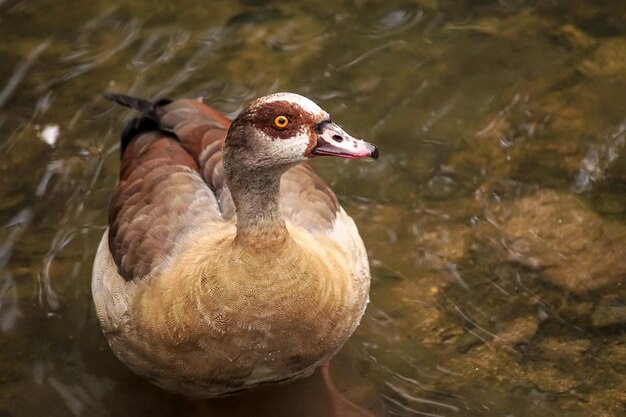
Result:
[256,195]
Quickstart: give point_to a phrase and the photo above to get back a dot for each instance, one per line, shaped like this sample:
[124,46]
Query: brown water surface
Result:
[494,219]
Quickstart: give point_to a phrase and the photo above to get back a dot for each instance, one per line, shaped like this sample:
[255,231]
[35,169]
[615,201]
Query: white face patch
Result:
[307,105]
[282,151]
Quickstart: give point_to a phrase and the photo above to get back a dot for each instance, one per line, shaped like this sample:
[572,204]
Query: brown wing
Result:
[172,180]
[160,198]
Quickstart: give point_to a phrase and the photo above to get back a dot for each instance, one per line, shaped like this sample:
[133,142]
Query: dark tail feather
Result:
[134,128]
[147,108]
[148,122]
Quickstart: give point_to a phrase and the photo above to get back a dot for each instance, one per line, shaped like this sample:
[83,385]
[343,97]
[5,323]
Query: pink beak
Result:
[334,141]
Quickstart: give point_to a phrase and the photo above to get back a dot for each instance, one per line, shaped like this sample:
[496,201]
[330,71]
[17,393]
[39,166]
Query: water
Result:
[494,219]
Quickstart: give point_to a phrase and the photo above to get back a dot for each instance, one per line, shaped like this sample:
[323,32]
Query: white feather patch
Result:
[307,105]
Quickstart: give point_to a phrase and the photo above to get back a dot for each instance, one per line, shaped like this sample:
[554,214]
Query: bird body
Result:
[227,262]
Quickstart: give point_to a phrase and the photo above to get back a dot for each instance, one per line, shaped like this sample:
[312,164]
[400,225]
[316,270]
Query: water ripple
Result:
[127,35]
[371,52]
[598,160]
[397,20]
[9,306]
[20,71]
[159,46]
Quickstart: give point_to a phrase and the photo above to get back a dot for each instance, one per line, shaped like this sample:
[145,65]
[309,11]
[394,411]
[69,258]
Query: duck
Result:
[228,263]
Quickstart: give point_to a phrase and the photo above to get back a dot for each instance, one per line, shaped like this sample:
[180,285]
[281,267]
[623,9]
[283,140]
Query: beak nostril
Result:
[337,138]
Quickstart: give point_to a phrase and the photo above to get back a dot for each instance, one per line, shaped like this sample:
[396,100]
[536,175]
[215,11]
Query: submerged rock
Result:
[611,310]
[608,60]
[560,236]
[547,378]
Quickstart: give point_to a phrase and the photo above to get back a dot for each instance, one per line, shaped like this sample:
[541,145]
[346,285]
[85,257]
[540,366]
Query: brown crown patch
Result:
[262,118]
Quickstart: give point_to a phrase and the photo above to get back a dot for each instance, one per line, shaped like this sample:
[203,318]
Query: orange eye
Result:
[281,121]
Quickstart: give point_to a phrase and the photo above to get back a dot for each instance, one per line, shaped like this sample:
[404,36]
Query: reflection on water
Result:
[494,220]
